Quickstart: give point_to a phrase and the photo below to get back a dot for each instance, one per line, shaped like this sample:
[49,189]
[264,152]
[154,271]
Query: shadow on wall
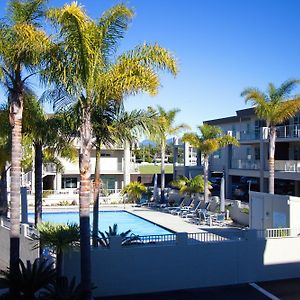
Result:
[148,179]
[239,214]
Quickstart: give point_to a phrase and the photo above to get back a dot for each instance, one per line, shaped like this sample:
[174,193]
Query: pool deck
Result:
[169,221]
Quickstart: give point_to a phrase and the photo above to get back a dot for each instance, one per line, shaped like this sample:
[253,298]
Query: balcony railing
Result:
[280,165]
[288,131]
[245,164]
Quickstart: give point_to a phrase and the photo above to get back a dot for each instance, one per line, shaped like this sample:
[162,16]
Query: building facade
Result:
[249,162]
[116,165]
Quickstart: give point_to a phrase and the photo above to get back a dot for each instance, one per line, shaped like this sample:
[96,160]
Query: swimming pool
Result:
[125,221]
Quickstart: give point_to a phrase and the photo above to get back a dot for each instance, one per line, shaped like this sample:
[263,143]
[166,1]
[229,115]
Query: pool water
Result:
[124,220]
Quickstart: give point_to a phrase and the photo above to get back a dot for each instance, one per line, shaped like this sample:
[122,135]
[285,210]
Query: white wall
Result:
[273,211]
[26,245]
[155,268]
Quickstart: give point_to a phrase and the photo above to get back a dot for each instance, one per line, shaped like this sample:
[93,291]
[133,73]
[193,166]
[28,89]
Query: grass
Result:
[151,169]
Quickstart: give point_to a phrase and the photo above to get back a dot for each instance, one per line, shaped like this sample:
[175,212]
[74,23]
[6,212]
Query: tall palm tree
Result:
[166,127]
[275,107]
[5,148]
[22,46]
[50,138]
[80,67]
[210,140]
[113,125]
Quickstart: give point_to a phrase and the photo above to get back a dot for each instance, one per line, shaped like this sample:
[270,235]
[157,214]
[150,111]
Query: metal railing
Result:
[276,233]
[245,164]
[205,237]
[158,238]
[288,131]
[280,165]
[287,165]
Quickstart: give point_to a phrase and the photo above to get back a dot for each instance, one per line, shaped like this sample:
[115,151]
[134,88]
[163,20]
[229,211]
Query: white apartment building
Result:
[116,166]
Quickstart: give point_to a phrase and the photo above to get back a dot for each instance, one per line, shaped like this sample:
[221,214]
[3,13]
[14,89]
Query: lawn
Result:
[151,169]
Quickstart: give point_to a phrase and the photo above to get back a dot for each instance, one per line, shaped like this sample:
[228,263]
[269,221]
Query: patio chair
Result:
[186,203]
[189,211]
[218,219]
[180,204]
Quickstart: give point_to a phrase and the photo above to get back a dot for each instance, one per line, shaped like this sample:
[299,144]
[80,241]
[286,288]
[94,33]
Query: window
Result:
[248,153]
[256,153]
[105,155]
[69,182]
[297,152]
[217,154]
[108,181]
[247,128]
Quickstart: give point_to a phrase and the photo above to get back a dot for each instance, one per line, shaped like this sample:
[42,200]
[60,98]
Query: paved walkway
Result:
[169,221]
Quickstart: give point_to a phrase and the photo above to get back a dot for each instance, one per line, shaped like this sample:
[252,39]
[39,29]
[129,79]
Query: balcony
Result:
[283,132]
[288,131]
[280,165]
[245,164]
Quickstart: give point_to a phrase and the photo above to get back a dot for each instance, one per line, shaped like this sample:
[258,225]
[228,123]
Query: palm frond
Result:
[112,25]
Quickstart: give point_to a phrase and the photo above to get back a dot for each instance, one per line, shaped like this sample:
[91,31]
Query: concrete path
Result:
[169,221]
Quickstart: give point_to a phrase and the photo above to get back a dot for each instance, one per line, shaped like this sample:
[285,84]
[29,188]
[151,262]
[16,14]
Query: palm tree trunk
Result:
[205,173]
[3,194]
[163,153]
[84,202]
[59,263]
[96,196]
[38,183]
[15,118]
[272,159]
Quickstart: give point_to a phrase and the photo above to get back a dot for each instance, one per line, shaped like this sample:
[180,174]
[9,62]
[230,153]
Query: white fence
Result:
[26,243]
[182,261]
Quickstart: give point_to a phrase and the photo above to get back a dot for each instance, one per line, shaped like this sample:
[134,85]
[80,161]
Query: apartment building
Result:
[250,160]
[116,165]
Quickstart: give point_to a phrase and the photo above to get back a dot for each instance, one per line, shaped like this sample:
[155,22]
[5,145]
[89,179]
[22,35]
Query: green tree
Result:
[80,67]
[134,190]
[275,107]
[58,237]
[127,237]
[166,127]
[210,140]
[22,47]
[50,139]
[190,186]
[113,125]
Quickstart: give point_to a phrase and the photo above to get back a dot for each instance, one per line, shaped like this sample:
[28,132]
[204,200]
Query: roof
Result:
[239,114]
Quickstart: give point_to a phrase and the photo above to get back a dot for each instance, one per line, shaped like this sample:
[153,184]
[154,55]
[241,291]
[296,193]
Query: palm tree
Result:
[5,148]
[210,140]
[29,279]
[80,67]
[134,190]
[58,237]
[275,107]
[50,138]
[190,186]
[113,125]
[127,237]
[22,46]
[166,127]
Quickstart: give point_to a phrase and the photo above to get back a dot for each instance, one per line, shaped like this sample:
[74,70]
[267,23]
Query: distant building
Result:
[246,167]
[249,162]
[116,163]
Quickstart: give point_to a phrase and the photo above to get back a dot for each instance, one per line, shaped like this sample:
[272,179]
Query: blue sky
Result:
[222,47]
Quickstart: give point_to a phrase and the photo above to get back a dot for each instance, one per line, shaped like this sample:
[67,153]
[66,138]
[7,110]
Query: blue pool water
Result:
[124,220]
